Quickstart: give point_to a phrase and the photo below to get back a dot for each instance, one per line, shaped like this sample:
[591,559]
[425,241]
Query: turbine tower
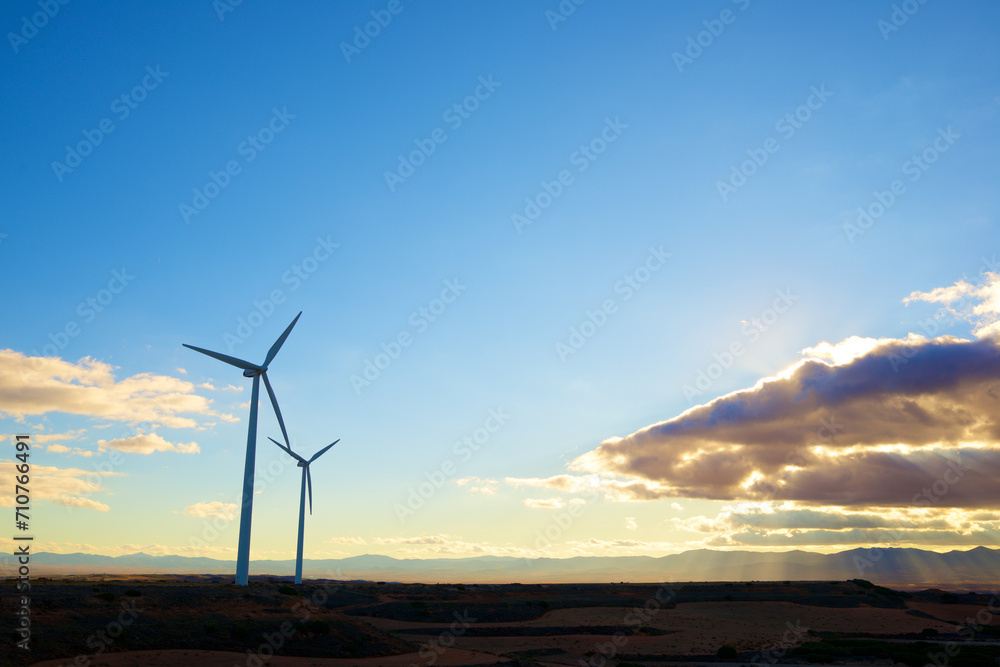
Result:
[246,509]
[306,480]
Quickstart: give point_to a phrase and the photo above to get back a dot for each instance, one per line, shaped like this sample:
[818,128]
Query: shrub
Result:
[107,596]
[727,652]
[287,590]
[315,627]
[132,593]
[460,587]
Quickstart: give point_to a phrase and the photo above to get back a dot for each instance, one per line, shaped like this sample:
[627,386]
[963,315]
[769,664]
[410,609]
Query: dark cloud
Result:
[906,422]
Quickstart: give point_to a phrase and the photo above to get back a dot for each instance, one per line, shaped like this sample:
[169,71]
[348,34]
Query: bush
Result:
[928,632]
[240,631]
[132,593]
[727,652]
[314,627]
[287,590]
[460,587]
[107,596]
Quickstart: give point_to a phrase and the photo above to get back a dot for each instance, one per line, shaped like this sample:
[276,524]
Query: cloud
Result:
[62,449]
[40,385]
[863,422]
[426,539]
[677,506]
[630,523]
[544,503]
[568,483]
[49,437]
[71,487]
[874,430]
[789,525]
[347,540]
[977,302]
[147,443]
[212,510]
[448,545]
[486,487]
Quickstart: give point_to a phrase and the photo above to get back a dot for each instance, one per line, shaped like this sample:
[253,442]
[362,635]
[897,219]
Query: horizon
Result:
[619,290]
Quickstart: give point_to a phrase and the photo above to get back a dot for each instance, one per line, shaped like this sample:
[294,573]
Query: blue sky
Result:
[320,180]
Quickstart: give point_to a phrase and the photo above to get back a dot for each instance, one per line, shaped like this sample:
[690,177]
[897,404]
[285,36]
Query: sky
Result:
[598,279]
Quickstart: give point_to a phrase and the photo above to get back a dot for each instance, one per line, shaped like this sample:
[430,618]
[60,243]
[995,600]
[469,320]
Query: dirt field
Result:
[166,622]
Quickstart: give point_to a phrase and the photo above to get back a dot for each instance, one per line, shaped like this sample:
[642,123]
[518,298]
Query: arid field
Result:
[188,621]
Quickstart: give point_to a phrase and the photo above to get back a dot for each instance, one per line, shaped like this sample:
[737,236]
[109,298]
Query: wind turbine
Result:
[306,480]
[256,372]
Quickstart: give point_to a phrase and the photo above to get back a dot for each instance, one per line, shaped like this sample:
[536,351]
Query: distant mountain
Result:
[976,567]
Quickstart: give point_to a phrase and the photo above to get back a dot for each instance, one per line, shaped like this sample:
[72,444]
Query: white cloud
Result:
[543,503]
[40,385]
[487,487]
[212,510]
[147,443]
[71,487]
[347,540]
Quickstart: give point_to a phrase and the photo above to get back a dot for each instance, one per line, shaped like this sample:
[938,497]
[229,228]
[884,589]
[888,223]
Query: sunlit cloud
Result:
[543,503]
[347,540]
[487,487]
[41,385]
[212,510]
[71,487]
[147,443]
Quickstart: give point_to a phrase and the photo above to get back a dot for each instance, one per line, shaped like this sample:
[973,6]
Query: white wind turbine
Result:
[246,508]
[306,481]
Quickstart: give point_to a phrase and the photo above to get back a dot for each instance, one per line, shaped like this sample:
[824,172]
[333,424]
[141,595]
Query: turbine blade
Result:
[281,340]
[287,449]
[317,454]
[277,411]
[232,361]
[309,483]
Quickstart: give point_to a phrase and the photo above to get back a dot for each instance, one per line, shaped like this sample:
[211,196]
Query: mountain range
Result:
[977,567]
